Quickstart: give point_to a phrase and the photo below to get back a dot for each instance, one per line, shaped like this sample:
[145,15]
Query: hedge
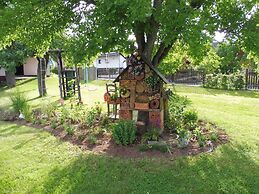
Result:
[235,81]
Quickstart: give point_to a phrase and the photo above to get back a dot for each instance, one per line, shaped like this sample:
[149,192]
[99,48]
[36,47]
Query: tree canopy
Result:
[153,27]
[12,56]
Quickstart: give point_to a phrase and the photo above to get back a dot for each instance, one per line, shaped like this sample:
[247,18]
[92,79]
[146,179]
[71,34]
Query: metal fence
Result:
[252,80]
[189,76]
[108,73]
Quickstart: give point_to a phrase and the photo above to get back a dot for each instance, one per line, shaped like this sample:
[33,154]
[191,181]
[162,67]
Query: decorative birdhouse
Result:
[141,89]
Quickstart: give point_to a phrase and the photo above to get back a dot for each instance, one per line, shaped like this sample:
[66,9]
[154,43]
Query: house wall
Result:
[30,67]
[110,61]
[2,72]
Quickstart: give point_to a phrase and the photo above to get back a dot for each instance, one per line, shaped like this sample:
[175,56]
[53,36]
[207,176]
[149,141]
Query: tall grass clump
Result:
[20,105]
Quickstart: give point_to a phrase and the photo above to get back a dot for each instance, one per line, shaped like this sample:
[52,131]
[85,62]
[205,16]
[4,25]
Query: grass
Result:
[92,90]
[33,161]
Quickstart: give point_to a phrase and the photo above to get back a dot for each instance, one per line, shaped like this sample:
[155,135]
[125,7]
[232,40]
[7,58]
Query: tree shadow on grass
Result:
[230,170]
[25,81]
[16,130]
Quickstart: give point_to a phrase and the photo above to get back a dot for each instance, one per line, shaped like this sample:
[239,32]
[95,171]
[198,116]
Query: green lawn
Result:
[33,161]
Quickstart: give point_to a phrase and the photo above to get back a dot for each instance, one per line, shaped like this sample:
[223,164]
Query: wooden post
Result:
[60,75]
[78,84]
[246,84]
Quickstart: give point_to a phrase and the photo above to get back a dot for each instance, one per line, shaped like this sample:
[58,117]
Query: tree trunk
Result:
[41,75]
[10,78]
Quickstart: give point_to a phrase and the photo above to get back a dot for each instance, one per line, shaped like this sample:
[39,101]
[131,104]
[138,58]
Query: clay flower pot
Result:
[141,106]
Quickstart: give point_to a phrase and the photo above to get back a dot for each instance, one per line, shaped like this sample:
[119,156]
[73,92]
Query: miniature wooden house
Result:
[141,90]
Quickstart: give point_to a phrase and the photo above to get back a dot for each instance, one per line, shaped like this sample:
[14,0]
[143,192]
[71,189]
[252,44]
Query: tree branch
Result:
[140,37]
[152,33]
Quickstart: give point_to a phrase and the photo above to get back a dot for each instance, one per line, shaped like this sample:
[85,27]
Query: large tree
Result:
[11,57]
[153,26]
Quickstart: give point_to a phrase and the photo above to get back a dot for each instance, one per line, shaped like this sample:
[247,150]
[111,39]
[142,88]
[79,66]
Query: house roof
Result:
[160,75]
[109,54]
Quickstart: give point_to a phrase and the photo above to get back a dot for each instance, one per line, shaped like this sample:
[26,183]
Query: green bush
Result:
[69,129]
[176,107]
[124,132]
[20,105]
[151,135]
[233,81]
[93,114]
[19,101]
[190,116]
[54,70]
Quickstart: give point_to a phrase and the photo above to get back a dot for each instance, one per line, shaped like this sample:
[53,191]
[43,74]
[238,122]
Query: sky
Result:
[219,36]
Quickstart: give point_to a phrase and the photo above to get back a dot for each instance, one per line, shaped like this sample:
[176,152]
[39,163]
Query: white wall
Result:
[30,66]
[2,72]
[110,62]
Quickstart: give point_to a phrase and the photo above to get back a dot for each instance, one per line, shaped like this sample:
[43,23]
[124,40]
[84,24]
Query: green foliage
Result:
[124,132]
[92,139]
[176,107]
[233,81]
[190,116]
[195,23]
[159,147]
[69,129]
[151,135]
[54,70]
[19,101]
[93,114]
[54,124]
[213,136]
[20,105]
[202,140]
[13,56]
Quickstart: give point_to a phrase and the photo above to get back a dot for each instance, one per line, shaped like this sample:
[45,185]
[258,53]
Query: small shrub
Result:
[54,124]
[176,107]
[202,140]
[183,137]
[213,136]
[27,112]
[49,109]
[93,114]
[124,132]
[151,135]
[104,120]
[69,129]
[81,137]
[92,139]
[19,101]
[190,116]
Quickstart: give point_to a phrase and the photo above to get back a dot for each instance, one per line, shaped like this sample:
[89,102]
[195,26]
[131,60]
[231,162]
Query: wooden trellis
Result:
[69,81]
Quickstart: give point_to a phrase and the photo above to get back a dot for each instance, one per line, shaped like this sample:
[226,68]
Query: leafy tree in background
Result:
[11,57]
[100,26]
[233,58]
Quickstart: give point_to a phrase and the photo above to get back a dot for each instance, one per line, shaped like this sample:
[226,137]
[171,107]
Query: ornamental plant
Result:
[124,132]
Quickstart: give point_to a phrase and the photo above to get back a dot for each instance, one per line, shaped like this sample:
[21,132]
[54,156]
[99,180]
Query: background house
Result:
[29,68]
[106,66]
